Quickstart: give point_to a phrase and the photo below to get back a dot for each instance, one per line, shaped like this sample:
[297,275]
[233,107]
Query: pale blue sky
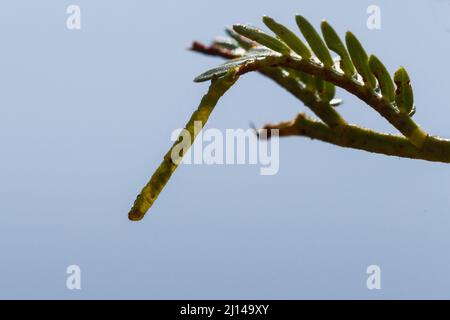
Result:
[86,116]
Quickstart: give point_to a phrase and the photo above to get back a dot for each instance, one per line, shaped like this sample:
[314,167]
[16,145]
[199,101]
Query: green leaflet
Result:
[328,92]
[404,97]
[162,175]
[384,78]
[360,59]
[289,37]
[308,80]
[325,89]
[250,56]
[335,43]
[227,43]
[262,38]
[318,83]
[245,43]
[315,42]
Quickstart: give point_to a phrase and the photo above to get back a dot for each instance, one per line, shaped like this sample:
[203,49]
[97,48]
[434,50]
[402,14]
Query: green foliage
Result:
[404,96]
[360,59]
[353,59]
[315,41]
[289,37]
[286,59]
[335,43]
[384,79]
[243,42]
[252,55]
[262,38]
[227,43]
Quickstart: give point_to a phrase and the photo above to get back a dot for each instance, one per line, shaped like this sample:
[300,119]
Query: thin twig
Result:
[173,157]
[355,137]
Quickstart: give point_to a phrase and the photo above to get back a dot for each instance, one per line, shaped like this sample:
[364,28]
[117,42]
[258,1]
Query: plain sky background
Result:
[86,116]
